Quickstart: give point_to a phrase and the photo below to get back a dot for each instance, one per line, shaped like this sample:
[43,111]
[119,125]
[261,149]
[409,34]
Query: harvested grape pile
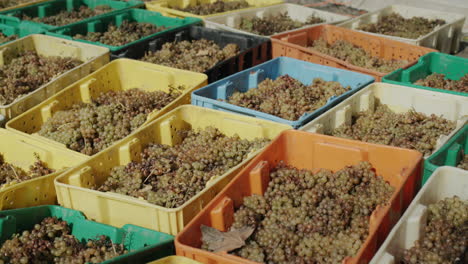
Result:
[355,55]
[311,218]
[287,97]
[445,239]
[411,130]
[273,24]
[125,33]
[396,25]
[10,173]
[464,163]
[51,241]
[4,38]
[216,7]
[29,71]
[90,128]
[438,80]
[10,3]
[170,176]
[196,55]
[341,9]
[67,17]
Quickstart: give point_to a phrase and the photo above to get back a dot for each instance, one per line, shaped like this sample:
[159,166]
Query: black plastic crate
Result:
[253,50]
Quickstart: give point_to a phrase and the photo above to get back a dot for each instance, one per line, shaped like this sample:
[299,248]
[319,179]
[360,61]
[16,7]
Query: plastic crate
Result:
[166,7]
[144,244]
[54,7]
[253,50]
[449,155]
[451,107]
[446,182]
[294,44]
[21,152]
[445,38]
[210,96]
[231,21]
[175,260]
[116,209]
[142,75]
[452,66]
[9,26]
[132,49]
[308,151]
[93,57]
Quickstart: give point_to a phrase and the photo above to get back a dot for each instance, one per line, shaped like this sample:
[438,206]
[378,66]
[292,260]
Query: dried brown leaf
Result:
[225,241]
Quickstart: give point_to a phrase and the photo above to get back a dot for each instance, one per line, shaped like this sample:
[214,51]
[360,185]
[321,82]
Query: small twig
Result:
[14,171]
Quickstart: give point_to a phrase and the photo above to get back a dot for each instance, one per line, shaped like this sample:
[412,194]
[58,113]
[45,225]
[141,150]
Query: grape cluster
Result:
[411,130]
[4,38]
[311,218]
[197,55]
[463,163]
[341,9]
[66,17]
[396,25]
[90,128]
[287,97]
[344,50]
[445,239]
[125,33]
[51,241]
[273,24]
[217,7]
[170,175]
[29,71]
[438,80]
[10,174]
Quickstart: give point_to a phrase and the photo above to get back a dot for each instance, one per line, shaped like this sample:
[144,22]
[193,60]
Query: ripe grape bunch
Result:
[124,33]
[287,97]
[10,174]
[272,24]
[170,175]
[439,80]
[10,3]
[66,17]
[306,217]
[445,239]
[90,128]
[396,25]
[411,130]
[463,163]
[4,38]
[51,241]
[29,71]
[212,8]
[196,55]
[344,50]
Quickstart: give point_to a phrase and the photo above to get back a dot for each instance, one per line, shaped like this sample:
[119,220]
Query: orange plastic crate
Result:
[294,45]
[400,167]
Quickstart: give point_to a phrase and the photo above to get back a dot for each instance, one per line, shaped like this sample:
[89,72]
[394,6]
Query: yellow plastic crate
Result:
[20,151]
[166,7]
[116,209]
[93,57]
[121,74]
[22,5]
[175,260]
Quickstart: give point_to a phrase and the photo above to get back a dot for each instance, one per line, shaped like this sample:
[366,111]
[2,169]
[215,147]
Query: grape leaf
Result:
[225,241]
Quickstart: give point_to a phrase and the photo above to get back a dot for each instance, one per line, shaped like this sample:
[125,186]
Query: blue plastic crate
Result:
[211,96]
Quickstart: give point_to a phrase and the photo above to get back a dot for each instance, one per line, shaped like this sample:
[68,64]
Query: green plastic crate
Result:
[100,24]
[145,245]
[435,62]
[50,8]
[449,155]
[10,26]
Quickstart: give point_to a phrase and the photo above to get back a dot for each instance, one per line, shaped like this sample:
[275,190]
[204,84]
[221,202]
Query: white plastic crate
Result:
[446,182]
[445,38]
[399,99]
[231,21]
